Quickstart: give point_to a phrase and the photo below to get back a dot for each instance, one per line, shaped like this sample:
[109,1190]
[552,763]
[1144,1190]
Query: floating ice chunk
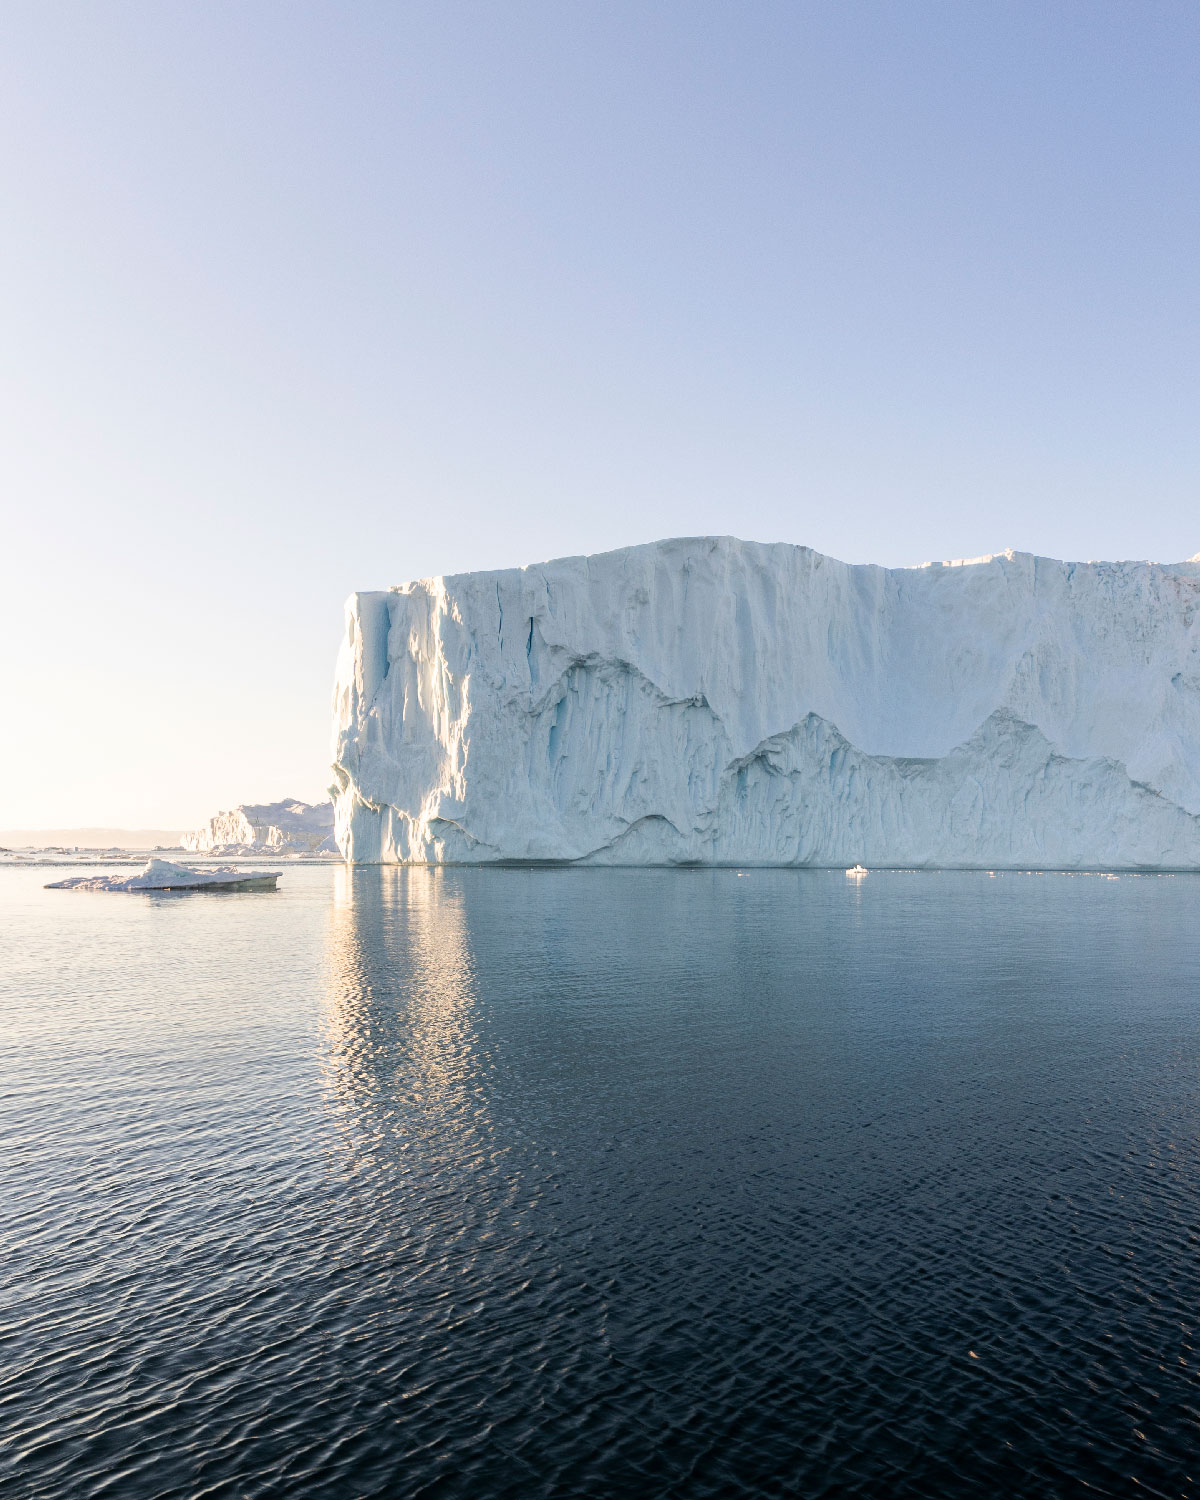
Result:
[161,875]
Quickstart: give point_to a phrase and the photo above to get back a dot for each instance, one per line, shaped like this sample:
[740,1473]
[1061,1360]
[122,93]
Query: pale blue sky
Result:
[298,298]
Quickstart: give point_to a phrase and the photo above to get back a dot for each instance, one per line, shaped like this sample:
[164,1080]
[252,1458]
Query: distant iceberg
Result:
[287,827]
[717,702]
[161,875]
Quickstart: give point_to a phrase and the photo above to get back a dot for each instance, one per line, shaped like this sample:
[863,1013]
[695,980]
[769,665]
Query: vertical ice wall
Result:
[716,701]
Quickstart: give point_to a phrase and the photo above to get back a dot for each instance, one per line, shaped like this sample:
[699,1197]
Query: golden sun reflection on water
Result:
[401,1059]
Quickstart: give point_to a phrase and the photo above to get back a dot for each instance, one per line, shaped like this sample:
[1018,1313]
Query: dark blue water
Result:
[601,1183]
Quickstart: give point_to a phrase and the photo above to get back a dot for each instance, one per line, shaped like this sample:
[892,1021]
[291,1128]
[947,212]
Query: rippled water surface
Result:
[505,1183]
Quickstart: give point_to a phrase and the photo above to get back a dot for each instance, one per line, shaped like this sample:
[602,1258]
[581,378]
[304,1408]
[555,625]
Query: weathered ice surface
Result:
[289,827]
[724,702]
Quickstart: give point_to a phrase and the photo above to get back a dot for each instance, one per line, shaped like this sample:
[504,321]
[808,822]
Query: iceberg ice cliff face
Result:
[713,701]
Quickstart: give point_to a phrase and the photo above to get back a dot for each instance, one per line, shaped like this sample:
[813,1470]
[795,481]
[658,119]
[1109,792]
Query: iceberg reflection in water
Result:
[402,1065]
[515,1183]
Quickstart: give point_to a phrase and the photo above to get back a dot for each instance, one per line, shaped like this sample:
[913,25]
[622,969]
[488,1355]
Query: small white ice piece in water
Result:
[161,875]
[857,872]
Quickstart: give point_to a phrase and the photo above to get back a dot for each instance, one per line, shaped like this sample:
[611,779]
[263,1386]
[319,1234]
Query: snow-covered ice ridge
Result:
[713,701]
[289,826]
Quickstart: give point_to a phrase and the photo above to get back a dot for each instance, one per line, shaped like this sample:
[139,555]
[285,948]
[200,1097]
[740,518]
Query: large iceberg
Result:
[712,701]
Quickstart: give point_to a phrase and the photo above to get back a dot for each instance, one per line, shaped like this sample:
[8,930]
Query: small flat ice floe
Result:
[161,875]
[856,872]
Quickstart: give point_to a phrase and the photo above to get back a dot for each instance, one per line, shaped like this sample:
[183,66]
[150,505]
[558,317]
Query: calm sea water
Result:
[561,1183]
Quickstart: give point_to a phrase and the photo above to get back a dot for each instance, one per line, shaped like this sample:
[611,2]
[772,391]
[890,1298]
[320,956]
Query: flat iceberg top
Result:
[774,555]
[161,875]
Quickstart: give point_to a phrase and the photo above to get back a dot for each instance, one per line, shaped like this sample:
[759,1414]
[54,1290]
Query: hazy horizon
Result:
[92,838]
